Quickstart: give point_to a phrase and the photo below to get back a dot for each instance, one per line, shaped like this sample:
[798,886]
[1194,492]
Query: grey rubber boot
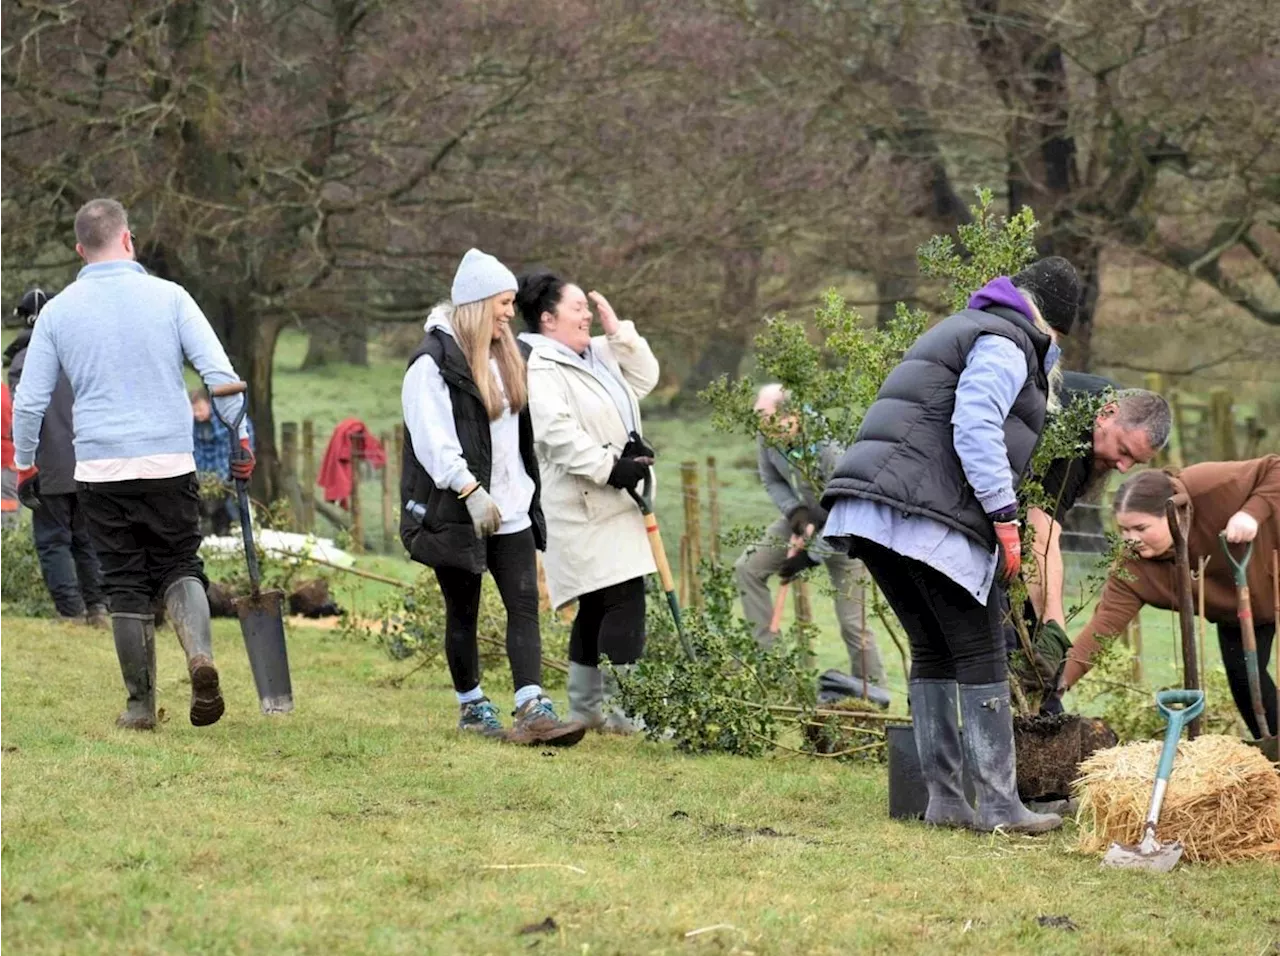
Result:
[988,749]
[935,721]
[187,606]
[616,720]
[135,638]
[586,693]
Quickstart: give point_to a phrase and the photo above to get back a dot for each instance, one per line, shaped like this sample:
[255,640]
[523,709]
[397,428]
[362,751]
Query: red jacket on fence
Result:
[335,470]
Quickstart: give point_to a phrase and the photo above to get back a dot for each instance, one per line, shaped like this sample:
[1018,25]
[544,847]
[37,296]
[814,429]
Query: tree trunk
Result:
[252,348]
[322,345]
[739,312]
[330,341]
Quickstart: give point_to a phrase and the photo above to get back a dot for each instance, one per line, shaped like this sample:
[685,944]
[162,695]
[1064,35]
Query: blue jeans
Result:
[67,559]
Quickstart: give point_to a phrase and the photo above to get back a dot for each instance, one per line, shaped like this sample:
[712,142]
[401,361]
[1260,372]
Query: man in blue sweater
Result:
[121,336]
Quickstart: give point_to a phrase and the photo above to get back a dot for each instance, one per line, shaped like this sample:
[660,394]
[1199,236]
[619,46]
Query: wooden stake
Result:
[684,570]
[862,636]
[357,517]
[1179,525]
[713,507]
[307,482]
[692,527]
[389,497]
[289,471]
[1137,648]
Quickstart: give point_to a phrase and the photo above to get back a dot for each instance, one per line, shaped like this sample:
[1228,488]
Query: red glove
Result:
[29,487]
[242,464]
[1009,539]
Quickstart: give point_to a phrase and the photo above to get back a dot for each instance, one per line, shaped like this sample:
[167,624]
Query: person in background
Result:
[796,531]
[1128,430]
[59,529]
[584,395]
[927,497]
[122,338]
[211,443]
[1238,498]
[470,493]
[9,505]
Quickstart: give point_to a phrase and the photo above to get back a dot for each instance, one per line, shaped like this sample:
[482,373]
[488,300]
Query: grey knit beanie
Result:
[1056,285]
[480,276]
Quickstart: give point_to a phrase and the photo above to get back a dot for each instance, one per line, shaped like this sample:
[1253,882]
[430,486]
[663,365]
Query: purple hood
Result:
[1000,291]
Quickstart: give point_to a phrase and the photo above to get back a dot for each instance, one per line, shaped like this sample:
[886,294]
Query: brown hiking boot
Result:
[536,723]
[206,696]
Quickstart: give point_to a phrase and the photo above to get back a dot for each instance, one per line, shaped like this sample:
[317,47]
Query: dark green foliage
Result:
[22,588]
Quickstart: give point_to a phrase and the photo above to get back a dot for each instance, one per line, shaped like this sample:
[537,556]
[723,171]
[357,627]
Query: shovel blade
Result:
[1147,855]
[262,624]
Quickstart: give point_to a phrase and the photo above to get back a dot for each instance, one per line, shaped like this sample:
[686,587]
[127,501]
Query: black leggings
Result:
[512,562]
[1232,648]
[952,636]
[611,622]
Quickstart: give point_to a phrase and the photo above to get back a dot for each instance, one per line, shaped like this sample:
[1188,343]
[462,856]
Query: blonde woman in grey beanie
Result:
[470,491]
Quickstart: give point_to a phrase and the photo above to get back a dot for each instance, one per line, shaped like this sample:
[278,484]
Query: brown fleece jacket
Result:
[1217,490]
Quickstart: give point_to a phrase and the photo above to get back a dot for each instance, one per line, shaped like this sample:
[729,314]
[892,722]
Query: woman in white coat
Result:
[584,396]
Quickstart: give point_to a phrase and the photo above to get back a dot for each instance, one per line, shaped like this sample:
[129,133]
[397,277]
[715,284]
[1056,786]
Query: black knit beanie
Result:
[1054,282]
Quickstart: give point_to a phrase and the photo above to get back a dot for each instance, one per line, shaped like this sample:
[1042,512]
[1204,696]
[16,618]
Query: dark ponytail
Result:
[1145,493]
[538,292]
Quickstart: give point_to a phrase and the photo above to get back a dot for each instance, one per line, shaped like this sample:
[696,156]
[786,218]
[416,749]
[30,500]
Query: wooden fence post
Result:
[713,508]
[1222,424]
[692,526]
[683,572]
[308,482]
[389,516]
[357,518]
[289,471]
[1154,382]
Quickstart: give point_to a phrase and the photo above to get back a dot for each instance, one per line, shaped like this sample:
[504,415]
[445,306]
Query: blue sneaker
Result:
[481,717]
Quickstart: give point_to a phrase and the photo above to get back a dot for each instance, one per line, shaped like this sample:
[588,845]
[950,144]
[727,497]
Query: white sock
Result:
[526,694]
[471,696]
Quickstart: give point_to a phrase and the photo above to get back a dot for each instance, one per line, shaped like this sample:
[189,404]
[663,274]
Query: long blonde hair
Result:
[473,329]
[1054,402]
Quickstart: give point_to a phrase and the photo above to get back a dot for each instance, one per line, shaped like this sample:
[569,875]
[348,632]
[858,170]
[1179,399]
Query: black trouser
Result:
[217,512]
[1232,647]
[512,561]
[952,636]
[611,622]
[67,560]
[146,534]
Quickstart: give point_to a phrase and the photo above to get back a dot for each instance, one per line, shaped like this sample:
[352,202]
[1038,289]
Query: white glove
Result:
[485,516]
[1241,528]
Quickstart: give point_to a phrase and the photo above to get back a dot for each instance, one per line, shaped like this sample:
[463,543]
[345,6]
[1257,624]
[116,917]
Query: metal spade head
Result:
[1150,854]
[262,624]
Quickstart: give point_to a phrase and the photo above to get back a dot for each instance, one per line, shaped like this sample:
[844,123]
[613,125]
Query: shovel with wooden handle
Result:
[261,612]
[780,602]
[644,500]
[1248,639]
[1177,510]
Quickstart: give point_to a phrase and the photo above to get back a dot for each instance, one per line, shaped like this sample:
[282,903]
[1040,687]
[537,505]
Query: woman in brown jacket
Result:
[1241,498]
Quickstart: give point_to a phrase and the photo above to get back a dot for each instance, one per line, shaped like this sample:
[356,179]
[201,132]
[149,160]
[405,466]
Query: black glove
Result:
[637,447]
[799,519]
[29,488]
[1051,706]
[794,565]
[627,473]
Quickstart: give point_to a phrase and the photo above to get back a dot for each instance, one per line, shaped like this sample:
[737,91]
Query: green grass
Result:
[363,823]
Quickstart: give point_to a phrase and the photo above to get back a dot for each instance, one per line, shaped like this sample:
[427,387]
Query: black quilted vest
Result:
[443,537]
[904,455]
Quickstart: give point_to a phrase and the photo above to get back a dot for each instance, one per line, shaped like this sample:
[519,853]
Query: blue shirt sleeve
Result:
[995,371]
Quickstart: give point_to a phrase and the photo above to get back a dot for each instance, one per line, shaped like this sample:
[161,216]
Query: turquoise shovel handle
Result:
[1239,569]
[1192,705]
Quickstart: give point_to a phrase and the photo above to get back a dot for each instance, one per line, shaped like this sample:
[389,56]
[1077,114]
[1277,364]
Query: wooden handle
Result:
[779,606]
[659,553]
[230,388]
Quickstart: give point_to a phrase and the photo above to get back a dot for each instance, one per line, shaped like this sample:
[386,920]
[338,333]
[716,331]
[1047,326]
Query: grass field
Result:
[363,823]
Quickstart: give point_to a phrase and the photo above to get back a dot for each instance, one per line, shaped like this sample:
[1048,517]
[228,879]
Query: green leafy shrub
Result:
[22,585]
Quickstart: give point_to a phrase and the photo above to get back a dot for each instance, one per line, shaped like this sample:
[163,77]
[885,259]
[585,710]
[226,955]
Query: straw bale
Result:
[1223,800]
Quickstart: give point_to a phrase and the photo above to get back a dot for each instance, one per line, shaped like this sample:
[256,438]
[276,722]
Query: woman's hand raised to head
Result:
[1241,528]
[608,318]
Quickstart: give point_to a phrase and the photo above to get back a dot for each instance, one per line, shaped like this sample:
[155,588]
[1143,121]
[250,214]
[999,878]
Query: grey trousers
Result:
[763,560]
